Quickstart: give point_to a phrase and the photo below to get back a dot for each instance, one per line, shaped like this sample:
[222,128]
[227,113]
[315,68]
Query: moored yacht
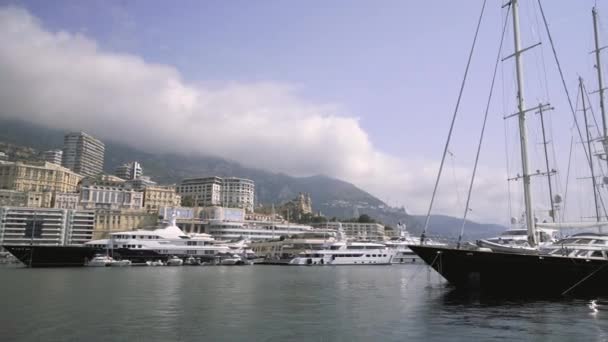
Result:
[403,254]
[141,246]
[576,265]
[286,248]
[516,240]
[346,253]
[342,252]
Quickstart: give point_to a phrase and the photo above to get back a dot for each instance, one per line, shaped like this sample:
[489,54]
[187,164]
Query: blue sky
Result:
[394,65]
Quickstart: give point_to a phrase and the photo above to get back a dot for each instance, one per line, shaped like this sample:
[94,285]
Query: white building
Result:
[238,193]
[66,200]
[129,171]
[356,230]
[204,192]
[45,226]
[110,197]
[229,192]
[53,156]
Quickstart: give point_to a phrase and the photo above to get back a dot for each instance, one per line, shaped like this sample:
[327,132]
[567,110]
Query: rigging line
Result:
[561,74]
[585,278]
[597,186]
[447,143]
[506,136]
[542,55]
[567,178]
[483,129]
[456,183]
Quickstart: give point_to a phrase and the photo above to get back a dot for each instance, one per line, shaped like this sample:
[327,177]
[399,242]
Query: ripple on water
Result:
[272,304]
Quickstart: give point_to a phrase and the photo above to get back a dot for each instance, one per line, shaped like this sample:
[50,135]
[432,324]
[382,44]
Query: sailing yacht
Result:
[574,266]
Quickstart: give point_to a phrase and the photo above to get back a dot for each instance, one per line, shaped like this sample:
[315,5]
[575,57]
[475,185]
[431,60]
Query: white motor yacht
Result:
[342,252]
[141,246]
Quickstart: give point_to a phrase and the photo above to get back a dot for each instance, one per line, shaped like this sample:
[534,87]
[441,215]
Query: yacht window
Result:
[597,254]
[582,253]
[367,255]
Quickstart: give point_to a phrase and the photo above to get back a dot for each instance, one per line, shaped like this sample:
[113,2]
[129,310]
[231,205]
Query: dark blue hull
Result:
[74,256]
[520,274]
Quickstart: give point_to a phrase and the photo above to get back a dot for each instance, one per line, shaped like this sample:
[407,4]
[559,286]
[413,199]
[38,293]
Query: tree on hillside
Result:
[364,218]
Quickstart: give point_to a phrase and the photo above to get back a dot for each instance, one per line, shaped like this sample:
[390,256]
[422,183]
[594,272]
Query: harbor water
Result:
[273,303]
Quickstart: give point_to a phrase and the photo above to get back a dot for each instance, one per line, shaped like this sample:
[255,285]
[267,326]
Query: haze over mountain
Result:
[66,78]
[331,197]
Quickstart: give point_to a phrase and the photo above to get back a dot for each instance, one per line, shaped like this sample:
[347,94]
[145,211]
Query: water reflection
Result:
[275,304]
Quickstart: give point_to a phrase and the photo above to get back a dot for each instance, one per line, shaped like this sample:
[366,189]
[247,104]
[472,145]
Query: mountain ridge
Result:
[332,197]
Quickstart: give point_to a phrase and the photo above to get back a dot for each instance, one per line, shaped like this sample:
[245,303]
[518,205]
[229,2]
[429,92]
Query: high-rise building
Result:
[203,192]
[237,193]
[229,192]
[129,171]
[83,154]
[53,156]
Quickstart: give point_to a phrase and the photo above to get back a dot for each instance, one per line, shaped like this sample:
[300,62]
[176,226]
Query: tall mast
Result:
[522,126]
[597,208]
[542,124]
[598,66]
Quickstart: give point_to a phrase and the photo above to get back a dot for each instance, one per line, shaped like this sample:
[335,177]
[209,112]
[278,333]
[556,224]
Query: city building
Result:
[297,207]
[34,199]
[238,193]
[201,192]
[110,197]
[37,176]
[45,226]
[53,156]
[140,183]
[110,221]
[356,230]
[3,156]
[129,171]
[156,197]
[215,191]
[83,154]
[66,200]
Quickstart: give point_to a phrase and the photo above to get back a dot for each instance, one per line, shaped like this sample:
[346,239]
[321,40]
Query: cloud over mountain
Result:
[65,80]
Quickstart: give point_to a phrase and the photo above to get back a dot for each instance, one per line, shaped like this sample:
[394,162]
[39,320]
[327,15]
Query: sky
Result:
[358,90]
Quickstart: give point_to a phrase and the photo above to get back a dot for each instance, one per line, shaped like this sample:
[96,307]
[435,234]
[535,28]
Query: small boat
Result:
[232,260]
[192,261]
[100,261]
[175,261]
[155,263]
[120,263]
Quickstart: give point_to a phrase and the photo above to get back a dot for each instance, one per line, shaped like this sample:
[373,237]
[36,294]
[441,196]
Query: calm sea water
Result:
[272,303]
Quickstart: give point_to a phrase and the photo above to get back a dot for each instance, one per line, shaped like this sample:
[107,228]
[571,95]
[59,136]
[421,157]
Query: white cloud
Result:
[66,81]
